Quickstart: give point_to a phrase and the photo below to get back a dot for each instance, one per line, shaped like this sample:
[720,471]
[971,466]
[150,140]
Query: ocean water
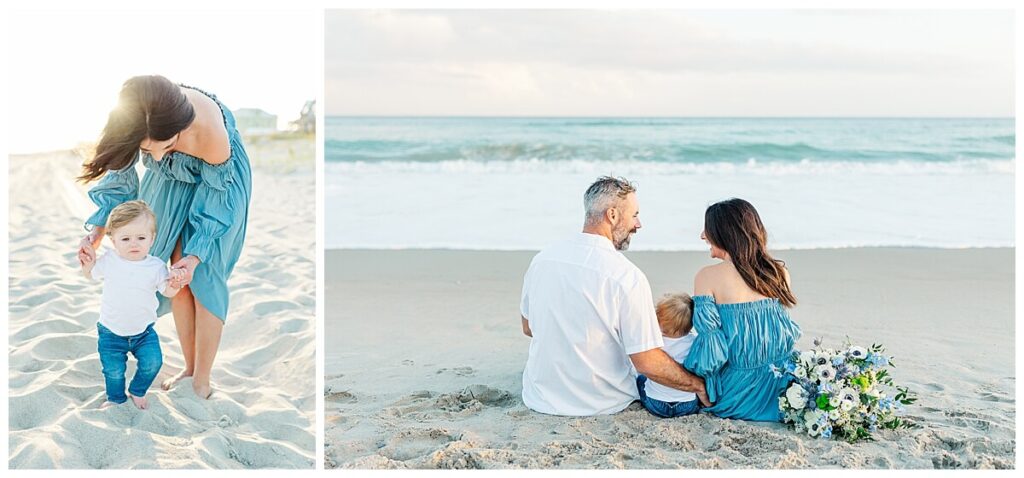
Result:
[517,183]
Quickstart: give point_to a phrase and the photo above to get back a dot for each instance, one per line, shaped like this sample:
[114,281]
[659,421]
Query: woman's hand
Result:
[88,246]
[187,265]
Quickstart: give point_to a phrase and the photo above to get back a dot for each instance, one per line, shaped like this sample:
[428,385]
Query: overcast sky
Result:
[669,63]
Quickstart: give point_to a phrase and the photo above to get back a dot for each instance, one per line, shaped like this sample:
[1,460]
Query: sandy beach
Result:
[424,356]
[262,411]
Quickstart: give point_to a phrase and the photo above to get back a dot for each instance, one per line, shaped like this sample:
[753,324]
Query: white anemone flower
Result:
[814,422]
[807,356]
[797,396]
[835,400]
[814,428]
[858,352]
[825,372]
[848,394]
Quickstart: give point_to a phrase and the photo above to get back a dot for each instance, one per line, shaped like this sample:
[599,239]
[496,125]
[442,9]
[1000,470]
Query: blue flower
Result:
[827,432]
[837,361]
[842,371]
[885,403]
[878,360]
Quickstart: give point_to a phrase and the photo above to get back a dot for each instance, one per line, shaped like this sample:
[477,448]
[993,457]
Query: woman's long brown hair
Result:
[148,107]
[734,226]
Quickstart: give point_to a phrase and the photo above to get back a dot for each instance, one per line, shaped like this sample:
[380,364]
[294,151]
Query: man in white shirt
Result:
[591,316]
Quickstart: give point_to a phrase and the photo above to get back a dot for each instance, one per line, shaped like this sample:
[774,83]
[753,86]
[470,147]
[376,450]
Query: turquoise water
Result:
[863,181]
[667,140]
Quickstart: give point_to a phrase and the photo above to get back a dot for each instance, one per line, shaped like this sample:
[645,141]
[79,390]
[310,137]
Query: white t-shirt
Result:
[588,308]
[129,300]
[677,348]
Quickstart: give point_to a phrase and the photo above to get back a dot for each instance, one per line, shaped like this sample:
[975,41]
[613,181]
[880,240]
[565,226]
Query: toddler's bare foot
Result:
[202,391]
[169,383]
[140,402]
[107,404]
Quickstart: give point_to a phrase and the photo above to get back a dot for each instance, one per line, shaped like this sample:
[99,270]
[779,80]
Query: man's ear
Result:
[612,214]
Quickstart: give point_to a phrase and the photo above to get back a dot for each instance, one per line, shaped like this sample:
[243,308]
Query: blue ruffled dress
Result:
[734,349]
[205,205]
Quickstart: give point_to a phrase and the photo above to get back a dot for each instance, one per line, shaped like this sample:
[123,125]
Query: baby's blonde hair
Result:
[128,212]
[675,314]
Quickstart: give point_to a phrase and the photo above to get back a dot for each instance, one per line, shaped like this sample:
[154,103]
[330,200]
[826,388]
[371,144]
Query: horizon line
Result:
[657,117]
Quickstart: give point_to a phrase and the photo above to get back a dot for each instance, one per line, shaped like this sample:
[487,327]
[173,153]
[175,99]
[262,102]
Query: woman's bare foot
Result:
[169,383]
[140,402]
[202,391]
[107,404]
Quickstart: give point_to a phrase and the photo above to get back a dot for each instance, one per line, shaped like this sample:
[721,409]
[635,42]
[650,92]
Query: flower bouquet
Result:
[845,393]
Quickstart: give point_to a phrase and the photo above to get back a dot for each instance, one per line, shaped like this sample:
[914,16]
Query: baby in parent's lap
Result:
[675,318]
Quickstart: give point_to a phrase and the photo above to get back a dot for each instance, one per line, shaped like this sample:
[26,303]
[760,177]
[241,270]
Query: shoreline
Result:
[645,251]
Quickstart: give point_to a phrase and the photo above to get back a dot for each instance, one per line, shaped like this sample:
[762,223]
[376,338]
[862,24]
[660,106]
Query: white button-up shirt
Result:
[588,308]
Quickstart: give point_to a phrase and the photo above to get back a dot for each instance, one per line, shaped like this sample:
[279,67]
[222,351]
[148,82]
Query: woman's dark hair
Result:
[734,226]
[148,107]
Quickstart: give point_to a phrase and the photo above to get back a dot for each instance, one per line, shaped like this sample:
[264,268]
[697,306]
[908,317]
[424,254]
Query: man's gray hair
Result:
[605,193]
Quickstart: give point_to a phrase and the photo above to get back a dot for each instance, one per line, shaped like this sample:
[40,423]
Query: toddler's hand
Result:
[86,249]
[177,279]
[86,255]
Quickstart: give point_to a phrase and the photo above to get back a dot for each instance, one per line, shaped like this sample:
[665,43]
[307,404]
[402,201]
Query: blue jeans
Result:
[665,409]
[114,351]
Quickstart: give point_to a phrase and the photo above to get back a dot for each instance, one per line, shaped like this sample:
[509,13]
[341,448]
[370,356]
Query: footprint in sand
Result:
[339,396]
[946,461]
[409,444]
[422,405]
[993,393]
[520,412]
[460,371]
[970,419]
[474,397]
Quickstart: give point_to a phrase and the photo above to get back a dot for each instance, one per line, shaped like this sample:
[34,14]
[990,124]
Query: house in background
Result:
[254,121]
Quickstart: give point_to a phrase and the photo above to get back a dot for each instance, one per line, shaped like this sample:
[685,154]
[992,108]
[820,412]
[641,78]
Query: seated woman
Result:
[740,316]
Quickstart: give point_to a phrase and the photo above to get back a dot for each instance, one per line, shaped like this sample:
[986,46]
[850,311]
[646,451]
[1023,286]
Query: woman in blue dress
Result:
[198,182]
[740,316]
